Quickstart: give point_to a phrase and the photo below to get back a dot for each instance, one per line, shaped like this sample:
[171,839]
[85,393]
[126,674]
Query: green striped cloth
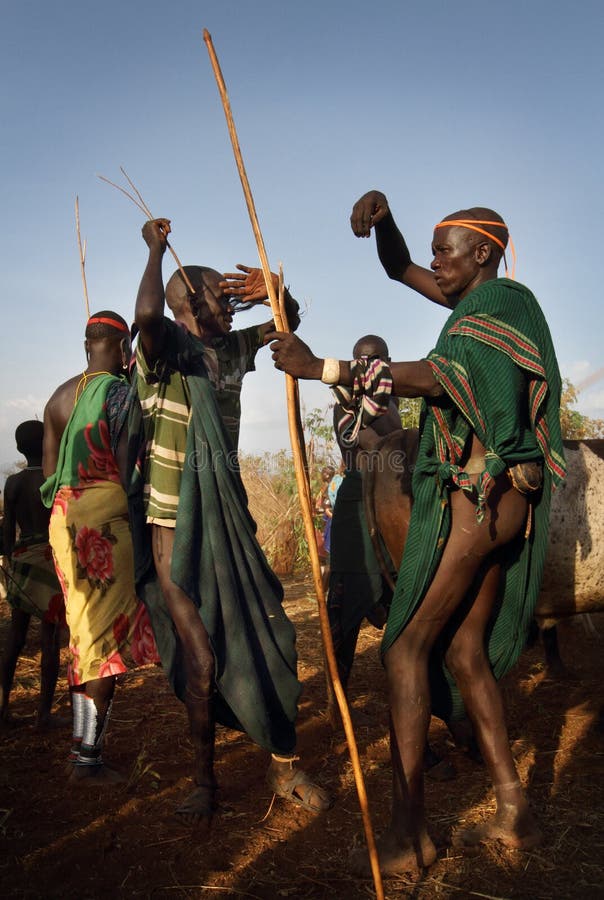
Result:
[165,401]
[496,362]
[219,564]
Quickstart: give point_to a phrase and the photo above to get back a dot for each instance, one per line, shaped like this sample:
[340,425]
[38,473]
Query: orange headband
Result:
[472,225]
[100,320]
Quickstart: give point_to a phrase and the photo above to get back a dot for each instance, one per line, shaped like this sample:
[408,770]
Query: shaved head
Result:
[29,436]
[371,345]
[177,292]
[484,216]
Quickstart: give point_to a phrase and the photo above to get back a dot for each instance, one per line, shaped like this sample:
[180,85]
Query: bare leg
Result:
[199,696]
[49,671]
[406,843]
[17,633]
[467,661]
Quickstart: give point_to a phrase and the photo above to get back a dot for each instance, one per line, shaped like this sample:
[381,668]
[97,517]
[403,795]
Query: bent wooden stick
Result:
[293,415]
[145,209]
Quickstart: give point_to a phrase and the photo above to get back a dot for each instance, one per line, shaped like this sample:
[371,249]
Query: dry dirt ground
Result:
[124,841]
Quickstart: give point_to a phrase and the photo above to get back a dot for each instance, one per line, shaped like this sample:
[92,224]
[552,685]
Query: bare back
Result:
[23,506]
[56,416]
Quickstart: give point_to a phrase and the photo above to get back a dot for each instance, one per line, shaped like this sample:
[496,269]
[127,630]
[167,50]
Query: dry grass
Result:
[274,505]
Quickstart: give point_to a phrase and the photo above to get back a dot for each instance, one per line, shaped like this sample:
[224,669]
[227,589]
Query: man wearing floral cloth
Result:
[85,449]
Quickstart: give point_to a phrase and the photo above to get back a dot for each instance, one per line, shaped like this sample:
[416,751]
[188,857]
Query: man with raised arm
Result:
[490,452]
[226,644]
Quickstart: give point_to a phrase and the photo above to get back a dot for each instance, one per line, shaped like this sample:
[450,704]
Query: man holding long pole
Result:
[216,606]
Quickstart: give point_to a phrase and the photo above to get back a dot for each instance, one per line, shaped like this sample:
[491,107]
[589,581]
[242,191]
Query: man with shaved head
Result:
[357,586]
[490,452]
[216,606]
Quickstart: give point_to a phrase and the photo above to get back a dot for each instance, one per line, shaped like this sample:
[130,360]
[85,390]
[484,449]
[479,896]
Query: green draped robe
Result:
[219,564]
[496,363]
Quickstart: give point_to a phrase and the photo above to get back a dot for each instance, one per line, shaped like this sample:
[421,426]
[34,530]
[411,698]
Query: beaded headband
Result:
[102,320]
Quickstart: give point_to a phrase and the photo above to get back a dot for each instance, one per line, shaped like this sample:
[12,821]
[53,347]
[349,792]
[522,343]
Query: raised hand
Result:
[155,233]
[367,212]
[248,284]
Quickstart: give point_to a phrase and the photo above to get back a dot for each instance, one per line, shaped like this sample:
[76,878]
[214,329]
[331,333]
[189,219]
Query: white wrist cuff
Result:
[331,371]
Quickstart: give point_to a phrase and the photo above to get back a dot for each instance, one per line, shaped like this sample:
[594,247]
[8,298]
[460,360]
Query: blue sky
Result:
[441,105]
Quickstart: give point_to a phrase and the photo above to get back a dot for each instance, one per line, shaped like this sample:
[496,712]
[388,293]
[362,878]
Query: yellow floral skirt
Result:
[110,631]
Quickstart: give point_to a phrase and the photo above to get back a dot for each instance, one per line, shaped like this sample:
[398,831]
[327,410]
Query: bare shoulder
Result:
[11,486]
[61,402]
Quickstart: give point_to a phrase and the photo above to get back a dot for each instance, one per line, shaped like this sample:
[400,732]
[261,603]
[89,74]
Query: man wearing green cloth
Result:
[490,453]
[216,606]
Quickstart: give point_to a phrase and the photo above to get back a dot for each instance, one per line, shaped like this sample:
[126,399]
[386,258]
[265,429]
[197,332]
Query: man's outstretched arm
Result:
[372,211]
[291,355]
[149,310]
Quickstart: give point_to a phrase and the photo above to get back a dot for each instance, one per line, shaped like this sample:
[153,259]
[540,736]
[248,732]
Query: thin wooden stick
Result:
[140,203]
[125,192]
[136,191]
[82,252]
[302,481]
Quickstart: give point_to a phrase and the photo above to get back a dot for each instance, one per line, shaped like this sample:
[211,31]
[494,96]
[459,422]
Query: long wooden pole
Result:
[302,481]
[82,251]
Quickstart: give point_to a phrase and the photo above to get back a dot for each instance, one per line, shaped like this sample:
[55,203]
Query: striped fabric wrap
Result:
[496,363]
[219,564]
[367,399]
[166,404]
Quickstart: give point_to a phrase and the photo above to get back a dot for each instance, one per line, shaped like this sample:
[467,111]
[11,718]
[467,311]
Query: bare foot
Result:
[50,721]
[395,857]
[519,831]
[436,767]
[199,807]
[443,770]
[91,775]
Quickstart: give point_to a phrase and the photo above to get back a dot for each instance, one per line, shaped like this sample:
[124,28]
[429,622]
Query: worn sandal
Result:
[295,785]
